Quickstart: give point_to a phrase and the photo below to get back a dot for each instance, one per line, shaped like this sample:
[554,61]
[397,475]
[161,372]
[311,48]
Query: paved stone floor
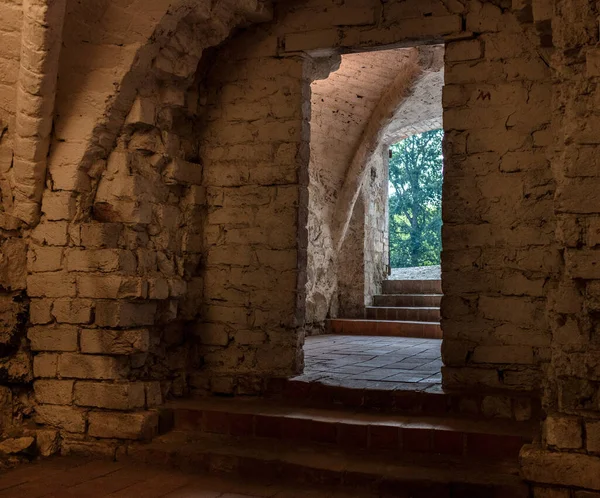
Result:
[373,362]
[70,477]
[416,273]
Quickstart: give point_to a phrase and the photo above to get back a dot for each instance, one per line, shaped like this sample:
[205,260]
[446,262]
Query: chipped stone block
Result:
[47,442]
[52,233]
[15,445]
[503,354]
[124,211]
[100,235]
[592,431]
[45,365]
[563,432]
[58,206]
[54,392]
[143,111]
[83,366]
[124,314]
[158,288]
[136,425]
[183,172]
[51,285]
[42,259]
[111,287]
[102,260]
[53,338]
[465,50]
[39,311]
[117,342]
[72,310]
[113,396]
[67,418]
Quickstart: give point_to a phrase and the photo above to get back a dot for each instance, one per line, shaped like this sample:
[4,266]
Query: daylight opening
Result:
[415,205]
[369,211]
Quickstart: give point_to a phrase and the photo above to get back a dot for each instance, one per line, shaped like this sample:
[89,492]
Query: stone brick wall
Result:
[499,223]
[566,462]
[498,250]
[106,289]
[15,360]
[172,248]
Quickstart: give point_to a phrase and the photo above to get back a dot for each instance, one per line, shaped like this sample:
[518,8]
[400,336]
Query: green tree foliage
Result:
[415,200]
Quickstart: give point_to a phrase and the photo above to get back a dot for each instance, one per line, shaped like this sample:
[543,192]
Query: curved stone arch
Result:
[112,50]
[376,132]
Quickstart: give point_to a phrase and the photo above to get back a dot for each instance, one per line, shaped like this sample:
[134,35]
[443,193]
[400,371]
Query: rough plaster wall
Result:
[340,108]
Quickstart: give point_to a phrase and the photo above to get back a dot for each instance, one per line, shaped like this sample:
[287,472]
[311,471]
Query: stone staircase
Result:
[406,308]
[361,451]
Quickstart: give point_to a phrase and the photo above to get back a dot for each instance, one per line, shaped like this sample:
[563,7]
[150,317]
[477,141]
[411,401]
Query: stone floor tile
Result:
[371,362]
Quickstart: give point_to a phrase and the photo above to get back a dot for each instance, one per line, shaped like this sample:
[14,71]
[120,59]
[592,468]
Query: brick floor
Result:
[387,361]
[70,477]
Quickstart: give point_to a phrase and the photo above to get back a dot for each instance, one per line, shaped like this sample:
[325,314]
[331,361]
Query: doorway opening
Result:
[370,327]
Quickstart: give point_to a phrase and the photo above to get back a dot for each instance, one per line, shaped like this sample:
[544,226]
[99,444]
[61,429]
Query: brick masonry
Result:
[171,249]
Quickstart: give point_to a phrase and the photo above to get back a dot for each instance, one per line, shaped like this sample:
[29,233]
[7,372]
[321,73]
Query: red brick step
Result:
[412,286]
[416,300]
[258,418]
[406,399]
[388,328]
[428,476]
[415,314]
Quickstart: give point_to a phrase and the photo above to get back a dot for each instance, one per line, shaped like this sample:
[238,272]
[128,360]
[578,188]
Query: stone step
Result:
[412,287]
[343,428]
[416,314]
[351,471]
[388,328]
[404,300]
[411,399]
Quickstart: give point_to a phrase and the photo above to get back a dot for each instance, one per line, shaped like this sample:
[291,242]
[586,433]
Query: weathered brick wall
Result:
[254,146]
[183,216]
[111,273]
[15,360]
[498,252]
[566,462]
